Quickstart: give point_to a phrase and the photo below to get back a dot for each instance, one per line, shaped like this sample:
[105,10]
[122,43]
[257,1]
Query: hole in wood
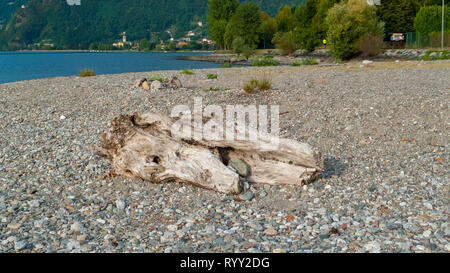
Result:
[157,160]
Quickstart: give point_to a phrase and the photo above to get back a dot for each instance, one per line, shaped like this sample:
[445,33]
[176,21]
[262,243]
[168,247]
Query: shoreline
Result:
[349,66]
[101,51]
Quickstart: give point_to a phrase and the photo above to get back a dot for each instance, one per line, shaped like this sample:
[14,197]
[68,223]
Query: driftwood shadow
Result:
[333,166]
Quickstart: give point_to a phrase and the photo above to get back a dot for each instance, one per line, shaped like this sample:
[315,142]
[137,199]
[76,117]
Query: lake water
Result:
[18,66]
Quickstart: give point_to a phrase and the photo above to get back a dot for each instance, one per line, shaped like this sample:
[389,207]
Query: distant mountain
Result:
[56,22]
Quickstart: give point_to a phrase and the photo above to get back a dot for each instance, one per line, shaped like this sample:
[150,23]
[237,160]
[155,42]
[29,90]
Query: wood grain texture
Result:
[145,146]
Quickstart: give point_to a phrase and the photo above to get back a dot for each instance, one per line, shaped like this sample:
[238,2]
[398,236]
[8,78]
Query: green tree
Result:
[398,15]
[351,20]
[219,13]
[221,9]
[145,45]
[319,25]
[240,47]
[267,30]
[217,32]
[285,19]
[284,41]
[172,46]
[244,23]
[429,19]
[304,35]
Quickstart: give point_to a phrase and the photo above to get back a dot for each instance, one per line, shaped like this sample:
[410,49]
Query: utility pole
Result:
[442,38]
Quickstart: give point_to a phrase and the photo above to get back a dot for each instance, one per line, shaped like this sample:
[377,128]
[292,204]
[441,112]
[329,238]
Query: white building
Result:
[374,2]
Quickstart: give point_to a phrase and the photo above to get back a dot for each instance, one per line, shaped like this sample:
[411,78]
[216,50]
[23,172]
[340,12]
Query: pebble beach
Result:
[382,128]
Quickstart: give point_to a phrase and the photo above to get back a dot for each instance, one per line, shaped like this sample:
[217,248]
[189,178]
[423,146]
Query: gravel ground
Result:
[383,131]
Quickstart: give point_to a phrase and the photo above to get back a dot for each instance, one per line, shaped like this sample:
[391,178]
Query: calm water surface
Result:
[19,66]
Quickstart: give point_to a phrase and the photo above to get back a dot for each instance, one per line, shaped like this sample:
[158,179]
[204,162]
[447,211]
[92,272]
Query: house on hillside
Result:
[182,43]
[374,2]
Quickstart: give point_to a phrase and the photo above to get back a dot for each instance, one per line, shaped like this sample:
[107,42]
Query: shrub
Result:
[350,21]
[254,84]
[309,61]
[250,87]
[435,39]
[436,55]
[238,45]
[226,65]
[87,72]
[296,63]
[370,45]
[187,72]
[265,84]
[248,53]
[265,61]
[159,78]
[285,42]
[212,76]
[212,89]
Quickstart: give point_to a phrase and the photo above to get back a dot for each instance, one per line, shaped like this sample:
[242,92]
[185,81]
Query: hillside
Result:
[7,8]
[55,22]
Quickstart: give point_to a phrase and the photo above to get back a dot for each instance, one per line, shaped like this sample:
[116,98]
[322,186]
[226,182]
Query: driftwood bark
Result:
[144,146]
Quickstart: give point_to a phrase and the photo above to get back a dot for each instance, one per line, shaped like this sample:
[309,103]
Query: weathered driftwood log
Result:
[145,146]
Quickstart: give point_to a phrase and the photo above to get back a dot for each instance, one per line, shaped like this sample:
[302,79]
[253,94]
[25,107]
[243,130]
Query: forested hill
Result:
[7,8]
[56,22]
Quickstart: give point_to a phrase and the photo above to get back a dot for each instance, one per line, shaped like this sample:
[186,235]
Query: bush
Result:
[159,78]
[265,61]
[285,42]
[212,76]
[213,89]
[435,39]
[187,72]
[254,84]
[265,84]
[226,65]
[436,55]
[87,72]
[238,45]
[350,21]
[250,86]
[296,63]
[309,61]
[370,45]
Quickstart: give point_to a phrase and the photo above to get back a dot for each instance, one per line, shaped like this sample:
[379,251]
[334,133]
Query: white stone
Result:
[19,245]
[34,203]
[172,228]
[428,205]
[121,204]
[373,247]
[426,233]
[156,85]
[447,247]
[76,227]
